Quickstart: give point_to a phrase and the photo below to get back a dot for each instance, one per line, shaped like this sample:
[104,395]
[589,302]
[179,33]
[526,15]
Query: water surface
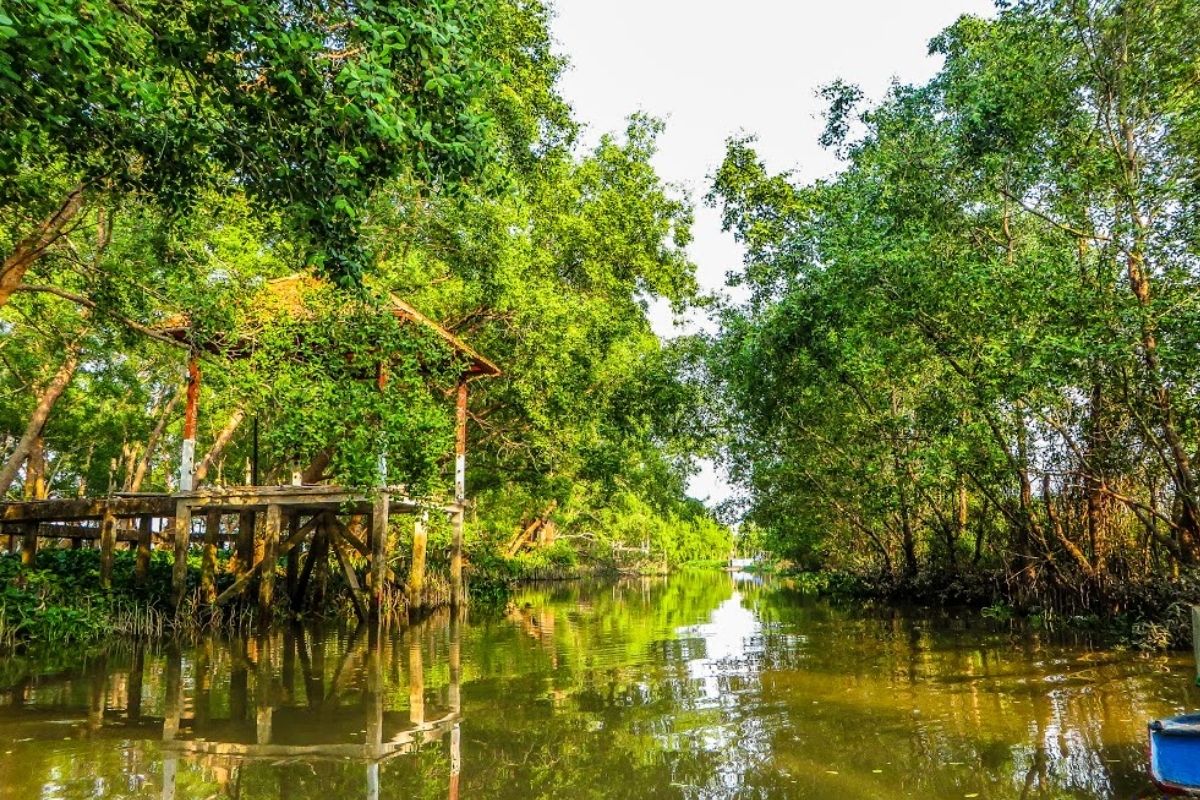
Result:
[700,686]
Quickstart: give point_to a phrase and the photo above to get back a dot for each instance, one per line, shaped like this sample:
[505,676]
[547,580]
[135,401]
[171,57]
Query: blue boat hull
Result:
[1175,755]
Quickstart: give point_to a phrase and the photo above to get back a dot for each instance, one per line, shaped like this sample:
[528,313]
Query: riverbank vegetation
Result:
[165,167]
[970,356]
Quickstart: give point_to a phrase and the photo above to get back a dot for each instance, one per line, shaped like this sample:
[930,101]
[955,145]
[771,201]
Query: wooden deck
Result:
[310,526]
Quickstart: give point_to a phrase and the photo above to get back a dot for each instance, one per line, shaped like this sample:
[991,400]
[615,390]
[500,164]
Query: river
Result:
[698,686]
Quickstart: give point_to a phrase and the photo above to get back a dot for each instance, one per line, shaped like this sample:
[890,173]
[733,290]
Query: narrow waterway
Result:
[700,686]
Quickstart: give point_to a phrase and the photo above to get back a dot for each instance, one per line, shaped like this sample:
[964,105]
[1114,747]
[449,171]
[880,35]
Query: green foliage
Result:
[971,351]
[307,108]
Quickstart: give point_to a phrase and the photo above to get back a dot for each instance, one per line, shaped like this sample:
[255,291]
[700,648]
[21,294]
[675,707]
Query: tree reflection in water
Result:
[692,687]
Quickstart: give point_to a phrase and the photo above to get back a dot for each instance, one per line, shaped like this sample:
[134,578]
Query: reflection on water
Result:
[700,686]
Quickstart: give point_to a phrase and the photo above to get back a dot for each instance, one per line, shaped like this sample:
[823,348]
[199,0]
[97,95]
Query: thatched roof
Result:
[286,296]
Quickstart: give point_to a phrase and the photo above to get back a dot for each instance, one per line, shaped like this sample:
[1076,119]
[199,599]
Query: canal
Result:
[698,686]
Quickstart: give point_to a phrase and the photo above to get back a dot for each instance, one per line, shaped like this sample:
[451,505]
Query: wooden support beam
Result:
[208,564]
[78,509]
[349,538]
[351,577]
[108,544]
[266,583]
[243,555]
[379,548]
[416,573]
[183,530]
[141,569]
[293,557]
[318,550]
[457,595]
[29,543]
[244,580]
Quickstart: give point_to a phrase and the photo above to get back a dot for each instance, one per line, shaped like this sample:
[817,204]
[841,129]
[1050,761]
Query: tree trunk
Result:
[46,400]
[35,471]
[218,446]
[31,248]
[139,473]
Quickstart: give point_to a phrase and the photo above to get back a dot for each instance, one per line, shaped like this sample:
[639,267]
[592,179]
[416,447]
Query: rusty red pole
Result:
[460,442]
[187,460]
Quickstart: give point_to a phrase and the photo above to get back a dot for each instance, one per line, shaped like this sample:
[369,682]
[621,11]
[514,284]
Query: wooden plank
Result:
[108,543]
[349,538]
[183,529]
[208,565]
[141,568]
[379,548]
[86,508]
[266,583]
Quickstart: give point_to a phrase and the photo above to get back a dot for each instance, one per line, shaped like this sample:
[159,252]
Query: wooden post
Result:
[141,569]
[187,459]
[29,543]
[266,580]
[416,574]
[108,543]
[293,556]
[183,529]
[379,536]
[244,548]
[1196,639]
[208,565]
[457,596]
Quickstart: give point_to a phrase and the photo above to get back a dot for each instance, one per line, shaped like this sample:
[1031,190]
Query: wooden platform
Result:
[309,523]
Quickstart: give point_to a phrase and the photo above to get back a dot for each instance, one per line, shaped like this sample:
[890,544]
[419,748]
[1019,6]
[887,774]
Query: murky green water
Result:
[695,687]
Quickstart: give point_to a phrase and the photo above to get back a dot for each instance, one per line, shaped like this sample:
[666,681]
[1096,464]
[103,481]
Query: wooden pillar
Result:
[187,460]
[293,556]
[183,529]
[266,581]
[243,554]
[208,565]
[379,548]
[108,544]
[457,596]
[141,567]
[416,574]
[1196,639]
[9,532]
[29,543]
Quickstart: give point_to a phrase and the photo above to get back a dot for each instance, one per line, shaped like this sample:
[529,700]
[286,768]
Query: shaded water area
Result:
[697,686]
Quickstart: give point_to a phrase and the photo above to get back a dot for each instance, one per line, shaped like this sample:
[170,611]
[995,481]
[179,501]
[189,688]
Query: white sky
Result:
[715,69]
